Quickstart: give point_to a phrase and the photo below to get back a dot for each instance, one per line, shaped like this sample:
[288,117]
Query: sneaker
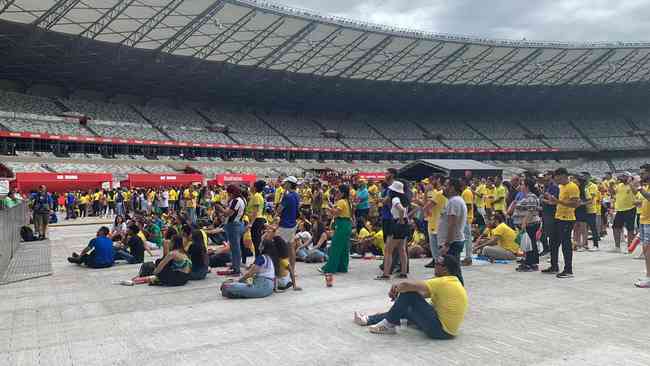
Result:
[127,283]
[593,249]
[564,275]
[360,319]
[467,262]
[550,270]
[431,264]
[383,327]
[544,253]
[641,283]
[356,256]
[580,249]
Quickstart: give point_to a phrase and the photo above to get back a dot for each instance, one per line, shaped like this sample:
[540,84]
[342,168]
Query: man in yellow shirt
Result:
[500,194]
[592,195]
[625,208]
[644,224]
[488,198]
[440,319]
[566,204]
[433,206]
[479,202]
[501,243]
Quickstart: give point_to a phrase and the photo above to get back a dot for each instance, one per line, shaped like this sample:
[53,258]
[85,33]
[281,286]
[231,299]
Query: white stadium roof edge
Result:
[270,36]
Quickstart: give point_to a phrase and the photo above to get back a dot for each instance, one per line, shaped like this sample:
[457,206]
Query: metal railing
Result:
[11,220]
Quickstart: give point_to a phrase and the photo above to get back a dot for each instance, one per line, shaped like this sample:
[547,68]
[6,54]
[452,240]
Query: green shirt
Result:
[9,203]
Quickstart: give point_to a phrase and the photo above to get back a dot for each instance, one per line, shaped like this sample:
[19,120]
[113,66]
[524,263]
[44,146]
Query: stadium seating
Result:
[142,131]
[54,126]
[24,103]
[103,111]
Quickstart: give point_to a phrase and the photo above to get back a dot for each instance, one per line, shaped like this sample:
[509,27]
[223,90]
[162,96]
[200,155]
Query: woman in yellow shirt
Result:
[339,253]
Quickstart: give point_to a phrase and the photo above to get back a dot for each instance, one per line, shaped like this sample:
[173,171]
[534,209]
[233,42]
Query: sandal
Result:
[382,278]
[402,275]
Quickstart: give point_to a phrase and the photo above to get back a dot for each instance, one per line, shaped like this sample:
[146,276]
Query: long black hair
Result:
[402,197]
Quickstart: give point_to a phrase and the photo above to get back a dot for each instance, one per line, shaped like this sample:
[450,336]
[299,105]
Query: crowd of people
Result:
[277,223]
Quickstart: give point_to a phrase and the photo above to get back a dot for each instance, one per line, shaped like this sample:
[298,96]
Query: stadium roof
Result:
[265,36]
[454,168]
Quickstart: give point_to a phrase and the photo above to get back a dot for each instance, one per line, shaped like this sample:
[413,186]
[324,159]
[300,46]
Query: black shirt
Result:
[136,248]
[198,255]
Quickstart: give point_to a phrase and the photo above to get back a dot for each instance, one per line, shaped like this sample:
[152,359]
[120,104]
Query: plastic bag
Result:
[525,243]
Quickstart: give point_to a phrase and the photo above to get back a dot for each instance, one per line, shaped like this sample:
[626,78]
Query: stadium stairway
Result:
[210,122]
[426,132]
[154,125]
[531,133]
[382,135]
[275,129]
[481,134]
[583,135]
[325,129]
[635,127]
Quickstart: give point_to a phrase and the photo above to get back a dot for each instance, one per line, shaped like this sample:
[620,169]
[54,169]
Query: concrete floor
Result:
[80,317]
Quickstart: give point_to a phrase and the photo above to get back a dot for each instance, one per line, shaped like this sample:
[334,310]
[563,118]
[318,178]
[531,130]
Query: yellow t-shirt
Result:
[305,196]
[142,236]
[326,198]
[284,267]
[478,200]
[506,237]
[488,196]
[567,192]
[279,192]
[449,299]
[434,216]
[624,198]
[190,200]
[256,203]
[591,193]
[97,196]
[83,200]
[363,233]
[418,238]
[598,198]
[500,192]
[644,211]
[344,209]
[151,196]
[173,195]
[378,240]
[468,197]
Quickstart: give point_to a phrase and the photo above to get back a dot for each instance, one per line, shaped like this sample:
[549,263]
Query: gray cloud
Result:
[562,20]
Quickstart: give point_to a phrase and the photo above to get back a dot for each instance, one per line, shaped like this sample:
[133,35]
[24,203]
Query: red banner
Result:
[372,176]
[225,179]
[104,140]
[161,180]
[62,182]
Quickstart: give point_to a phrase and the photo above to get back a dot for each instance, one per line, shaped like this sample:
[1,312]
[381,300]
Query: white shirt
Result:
[305,239]
[237,205]
[397,208]
[455,207]
[265,267]
[165,199]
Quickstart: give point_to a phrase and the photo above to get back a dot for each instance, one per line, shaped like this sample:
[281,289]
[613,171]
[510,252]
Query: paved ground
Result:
[79,317]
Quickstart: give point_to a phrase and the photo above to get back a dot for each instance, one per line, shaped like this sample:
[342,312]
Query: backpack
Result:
[146,269]
[27,234]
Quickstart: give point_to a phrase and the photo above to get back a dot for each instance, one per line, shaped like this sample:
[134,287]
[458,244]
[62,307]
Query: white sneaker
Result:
[593,249]
[127,283]
[642,283]
[360,319]
[383,327]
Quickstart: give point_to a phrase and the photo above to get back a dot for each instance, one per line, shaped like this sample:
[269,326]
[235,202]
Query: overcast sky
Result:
[557,20]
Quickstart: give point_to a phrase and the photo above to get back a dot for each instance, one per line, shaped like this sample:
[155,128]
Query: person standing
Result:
[452,222]
[566,203]
[468,197]
[255,213]
[234,227]
[362,208]
[288,210]
[41,210]
[316,198]
[625,210]
[592,194]
[500,196]
[400,231]
[435,203]
[644,224]
[526,216]
[548,212]
[339,253]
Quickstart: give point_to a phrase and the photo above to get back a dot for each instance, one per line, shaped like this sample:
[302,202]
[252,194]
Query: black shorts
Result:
[581,214]
[400,231]
[386,227]
[625,218]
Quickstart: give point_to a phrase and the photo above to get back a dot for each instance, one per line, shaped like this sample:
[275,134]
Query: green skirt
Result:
[339,252]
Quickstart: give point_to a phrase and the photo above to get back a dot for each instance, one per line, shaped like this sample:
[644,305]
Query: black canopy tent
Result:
[454,168]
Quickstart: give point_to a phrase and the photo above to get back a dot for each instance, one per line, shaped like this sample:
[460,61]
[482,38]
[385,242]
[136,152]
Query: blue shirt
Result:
[385,209]
[290,205]
[103,250]
[362,196]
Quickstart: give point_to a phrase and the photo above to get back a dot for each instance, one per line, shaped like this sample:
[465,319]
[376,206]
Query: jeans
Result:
[261,287]
[119,208]
[532,257]
[90,261]
[433,244]
[121,254]
[455,248]
[234,231]
[467,232]
[413,307]
[562,237]
[311,256]
[198,273]
[595,231]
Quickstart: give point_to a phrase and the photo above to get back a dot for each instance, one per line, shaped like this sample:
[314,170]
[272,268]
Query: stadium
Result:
[240,86]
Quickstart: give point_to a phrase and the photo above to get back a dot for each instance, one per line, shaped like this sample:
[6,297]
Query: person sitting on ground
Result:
[98,253]
[199,255]
[285,276]
[501,246]
[152,233]
[119,229]
[173,270]
[133,249]
[440,319]
[167,241]
[262,274]
[418,245]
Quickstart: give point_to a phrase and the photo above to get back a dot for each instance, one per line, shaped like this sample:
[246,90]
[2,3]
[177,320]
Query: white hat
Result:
[397,186]
[291,179]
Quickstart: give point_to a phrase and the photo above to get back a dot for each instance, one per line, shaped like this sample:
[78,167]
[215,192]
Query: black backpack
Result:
[146,269]
[27,234]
